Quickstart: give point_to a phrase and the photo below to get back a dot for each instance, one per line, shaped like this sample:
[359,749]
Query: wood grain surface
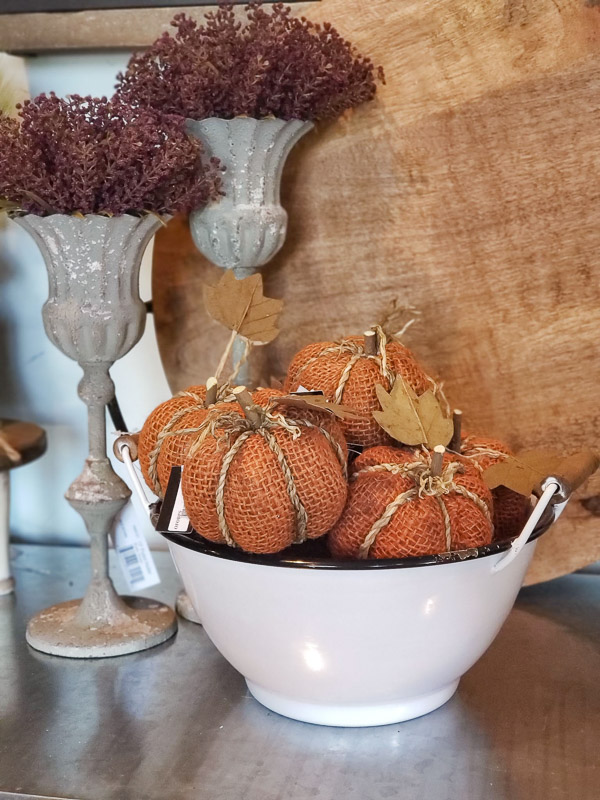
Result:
[91,29]
[24,439]
[469,190]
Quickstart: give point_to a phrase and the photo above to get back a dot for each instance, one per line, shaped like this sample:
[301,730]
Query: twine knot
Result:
[425,485]
[232,425]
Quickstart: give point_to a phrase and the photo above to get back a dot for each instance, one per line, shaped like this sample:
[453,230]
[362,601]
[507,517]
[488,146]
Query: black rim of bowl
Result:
[295,558]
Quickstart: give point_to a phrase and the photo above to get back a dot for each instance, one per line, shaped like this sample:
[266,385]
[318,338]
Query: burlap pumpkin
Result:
[346,374]
[510,508]
[395,509]
[159,421]
[262,489]
[172,426]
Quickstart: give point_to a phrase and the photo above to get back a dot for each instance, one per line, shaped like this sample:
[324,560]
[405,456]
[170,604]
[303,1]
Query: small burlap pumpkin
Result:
[160,421]
[262,487]
[396,509]
[510,508]
[347,374]
[172,427]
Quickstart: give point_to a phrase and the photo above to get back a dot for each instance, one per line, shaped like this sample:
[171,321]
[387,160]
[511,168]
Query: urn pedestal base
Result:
[139,624]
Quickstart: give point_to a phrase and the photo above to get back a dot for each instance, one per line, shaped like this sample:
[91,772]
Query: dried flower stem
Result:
[225,356]
[269,63]
[87,155]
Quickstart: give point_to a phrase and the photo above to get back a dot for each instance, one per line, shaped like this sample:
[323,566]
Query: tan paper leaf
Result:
[241,306]
[320,403]
[514,474]
[524,472]
[438,428]
[410,419]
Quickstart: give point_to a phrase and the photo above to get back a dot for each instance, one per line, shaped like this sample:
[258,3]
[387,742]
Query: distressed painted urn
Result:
[245,228]
[94,315]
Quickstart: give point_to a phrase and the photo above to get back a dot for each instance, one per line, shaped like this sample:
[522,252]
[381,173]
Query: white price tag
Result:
[173,517]
[179,521]
[133,554]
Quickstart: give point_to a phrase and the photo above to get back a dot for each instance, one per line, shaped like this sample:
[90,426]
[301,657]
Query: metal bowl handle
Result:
[555,492]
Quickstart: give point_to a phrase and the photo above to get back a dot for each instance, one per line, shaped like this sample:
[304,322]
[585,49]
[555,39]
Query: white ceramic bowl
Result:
[350,643]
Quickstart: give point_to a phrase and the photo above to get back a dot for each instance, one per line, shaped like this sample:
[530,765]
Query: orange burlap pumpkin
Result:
[160,420]
[172,426]
[395,509]
[346,374]
[263,488]
[510,508]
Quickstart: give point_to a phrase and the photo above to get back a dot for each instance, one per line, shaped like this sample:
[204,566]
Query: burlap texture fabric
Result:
[323,366]
[323,419]
[256,502]
[420,525]
[510,508]
[179,431]
[511,511]
[193,397]
[174,448]
[264,396]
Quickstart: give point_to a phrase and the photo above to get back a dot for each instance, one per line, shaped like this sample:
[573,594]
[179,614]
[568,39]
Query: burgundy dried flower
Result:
[271,63]
[89,155]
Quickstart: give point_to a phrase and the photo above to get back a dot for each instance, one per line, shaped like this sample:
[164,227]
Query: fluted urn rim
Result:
[75,215]
[248,120]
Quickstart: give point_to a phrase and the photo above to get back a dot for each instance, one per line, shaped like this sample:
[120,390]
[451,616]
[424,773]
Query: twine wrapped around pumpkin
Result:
[397,507]
[510,508]
[173,426]
[345,372]
[263,487]
[161,436]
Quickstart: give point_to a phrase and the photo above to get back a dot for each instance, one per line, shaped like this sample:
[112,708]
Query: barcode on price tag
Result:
[133,553]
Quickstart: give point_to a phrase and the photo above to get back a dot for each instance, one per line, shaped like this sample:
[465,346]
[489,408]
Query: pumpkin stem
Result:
[455,442]
[211,392]
[437,460]
[252,412]
[370,343]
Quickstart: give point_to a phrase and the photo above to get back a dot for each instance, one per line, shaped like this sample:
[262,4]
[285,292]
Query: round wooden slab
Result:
[464,191]
[24,439]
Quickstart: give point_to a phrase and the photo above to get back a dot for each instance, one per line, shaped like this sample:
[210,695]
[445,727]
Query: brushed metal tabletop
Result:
[177,722]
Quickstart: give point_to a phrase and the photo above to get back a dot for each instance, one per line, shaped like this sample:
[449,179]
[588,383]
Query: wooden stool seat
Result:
[20,443]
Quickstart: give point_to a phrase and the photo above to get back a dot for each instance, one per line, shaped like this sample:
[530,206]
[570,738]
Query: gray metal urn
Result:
[94,315]
[245,228]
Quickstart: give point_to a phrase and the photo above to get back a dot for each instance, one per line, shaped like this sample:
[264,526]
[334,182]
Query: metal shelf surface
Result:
[177,722]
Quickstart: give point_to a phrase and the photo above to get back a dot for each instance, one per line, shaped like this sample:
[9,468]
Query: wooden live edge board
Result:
[92,29]
[469,190]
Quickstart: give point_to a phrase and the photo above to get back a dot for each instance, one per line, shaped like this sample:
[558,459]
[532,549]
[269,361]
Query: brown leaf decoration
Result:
[320,403]
[241,306]
[524,472]
[514,474]
[410,419]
